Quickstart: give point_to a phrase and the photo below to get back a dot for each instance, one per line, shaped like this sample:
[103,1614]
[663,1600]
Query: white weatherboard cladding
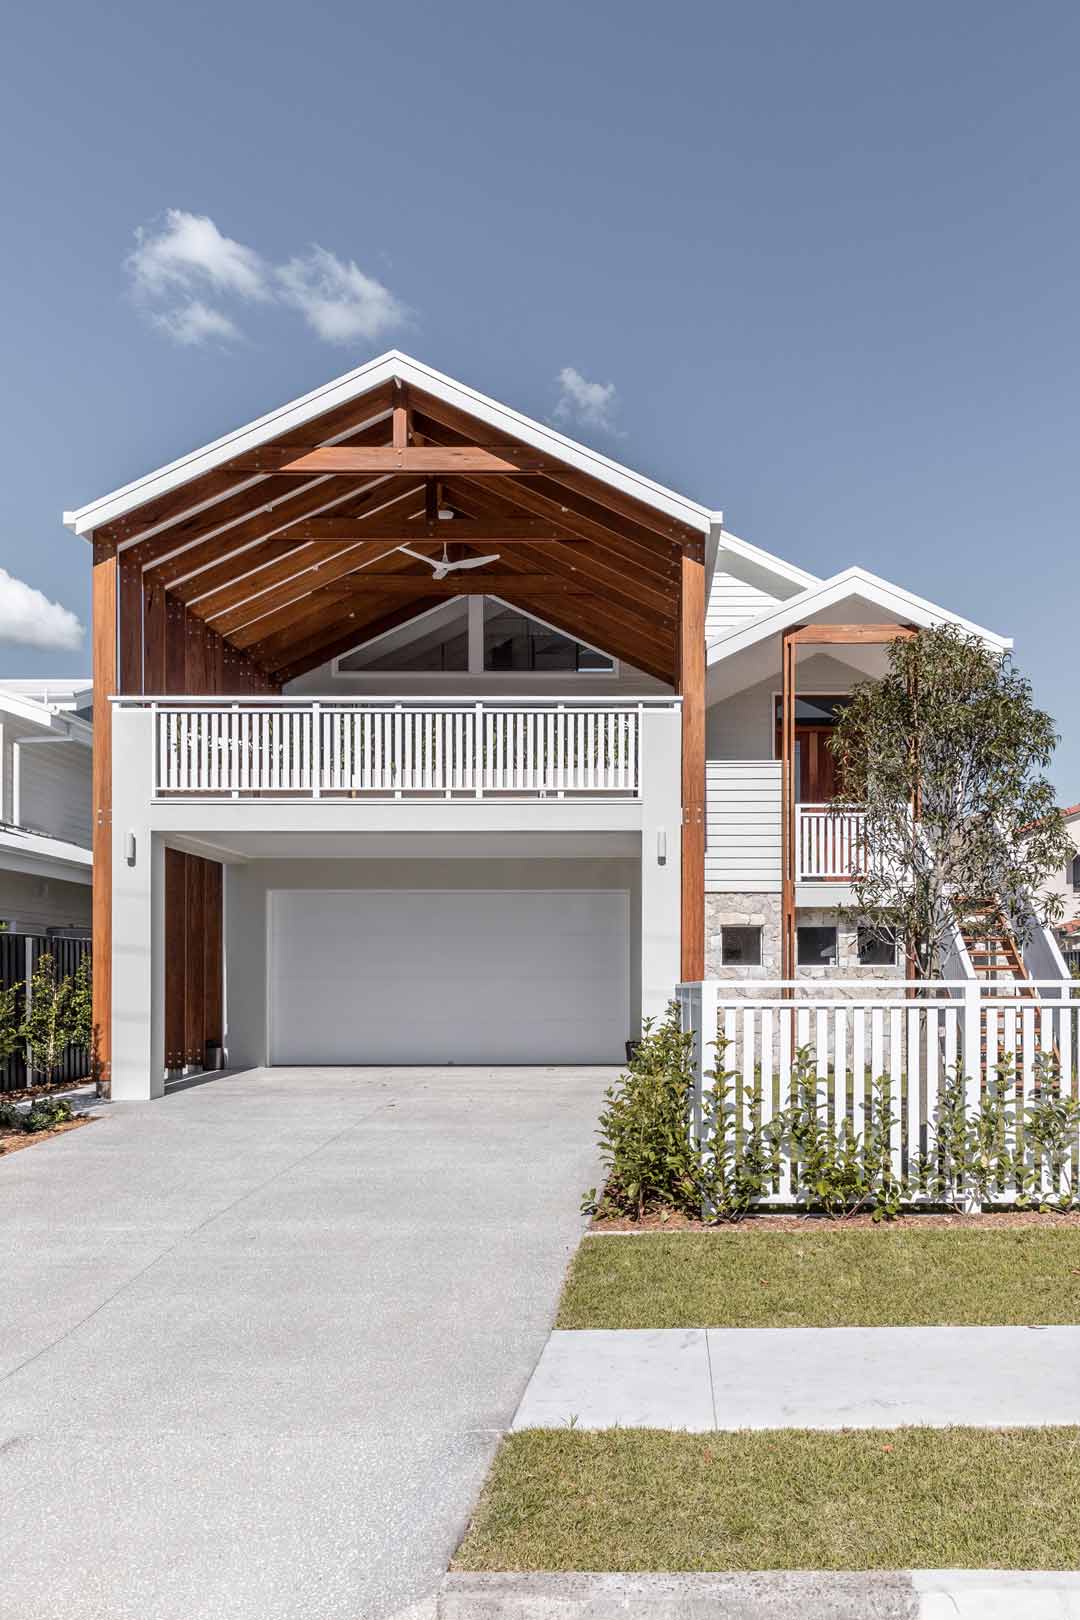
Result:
[448,976]
[732,601]
[742,825]
[54,790]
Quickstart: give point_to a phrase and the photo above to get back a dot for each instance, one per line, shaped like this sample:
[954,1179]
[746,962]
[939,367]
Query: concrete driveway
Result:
[258,1340]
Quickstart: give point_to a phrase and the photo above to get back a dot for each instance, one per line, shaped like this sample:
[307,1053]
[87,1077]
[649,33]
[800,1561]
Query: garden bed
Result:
[784,1272]
[645,1500]
[12,1141]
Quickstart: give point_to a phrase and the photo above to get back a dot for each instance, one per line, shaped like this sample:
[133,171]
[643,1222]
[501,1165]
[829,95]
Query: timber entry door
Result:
[816,780]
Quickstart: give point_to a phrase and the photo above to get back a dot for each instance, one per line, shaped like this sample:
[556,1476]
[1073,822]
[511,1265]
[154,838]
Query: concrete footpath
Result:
[699,1379]
[950,1594]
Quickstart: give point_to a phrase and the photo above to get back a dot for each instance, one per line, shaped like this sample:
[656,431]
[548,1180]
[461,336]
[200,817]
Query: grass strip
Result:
[900,1277]
[649,1500]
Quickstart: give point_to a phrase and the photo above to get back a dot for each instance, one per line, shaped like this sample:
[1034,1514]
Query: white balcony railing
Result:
[831,844]
[313,749]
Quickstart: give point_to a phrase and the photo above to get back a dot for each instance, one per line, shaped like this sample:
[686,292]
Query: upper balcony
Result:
[414,748]
[745,833]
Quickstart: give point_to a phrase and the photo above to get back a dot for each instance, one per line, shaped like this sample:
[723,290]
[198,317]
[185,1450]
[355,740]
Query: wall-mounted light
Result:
[661,847]
[129,849]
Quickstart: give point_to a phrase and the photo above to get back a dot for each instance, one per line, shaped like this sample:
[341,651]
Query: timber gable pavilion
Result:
[246,566]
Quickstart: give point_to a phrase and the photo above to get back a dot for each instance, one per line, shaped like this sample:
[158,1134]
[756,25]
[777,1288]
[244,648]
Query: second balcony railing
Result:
[364,749]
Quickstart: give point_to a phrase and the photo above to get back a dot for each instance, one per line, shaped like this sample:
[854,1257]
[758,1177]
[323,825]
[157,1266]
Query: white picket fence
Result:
[317,749]
[858,1031]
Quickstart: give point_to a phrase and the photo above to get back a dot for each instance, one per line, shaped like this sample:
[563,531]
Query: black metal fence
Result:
[19,954]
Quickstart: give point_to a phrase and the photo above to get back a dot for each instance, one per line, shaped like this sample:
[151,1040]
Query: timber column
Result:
[692,690]
[104,676]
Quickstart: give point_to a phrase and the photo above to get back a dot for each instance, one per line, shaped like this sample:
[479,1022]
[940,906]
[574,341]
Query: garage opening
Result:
[508,976]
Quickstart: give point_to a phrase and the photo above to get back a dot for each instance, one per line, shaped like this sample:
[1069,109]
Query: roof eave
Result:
[85,519]
[851,581]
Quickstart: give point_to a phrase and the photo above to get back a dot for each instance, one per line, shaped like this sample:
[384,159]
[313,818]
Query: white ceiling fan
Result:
[441,566]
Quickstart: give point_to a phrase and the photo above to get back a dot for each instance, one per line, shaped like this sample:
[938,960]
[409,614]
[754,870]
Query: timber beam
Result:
[470,531]
[368,460]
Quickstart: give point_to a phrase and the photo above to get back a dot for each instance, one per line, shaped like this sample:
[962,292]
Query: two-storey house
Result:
[426,734]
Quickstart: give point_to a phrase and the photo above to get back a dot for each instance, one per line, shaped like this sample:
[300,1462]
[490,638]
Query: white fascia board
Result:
[40,714]
[750,563]
[356,383]
[893,599]
[45,856]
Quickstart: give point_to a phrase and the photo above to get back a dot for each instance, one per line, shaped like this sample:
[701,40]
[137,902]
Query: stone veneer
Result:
[763,910]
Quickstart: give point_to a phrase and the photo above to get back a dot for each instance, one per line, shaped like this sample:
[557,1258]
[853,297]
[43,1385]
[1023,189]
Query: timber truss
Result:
[291,553]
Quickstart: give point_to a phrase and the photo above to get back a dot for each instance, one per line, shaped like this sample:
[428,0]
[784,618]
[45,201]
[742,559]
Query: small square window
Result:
[817,947]
[740,947]
[877,946]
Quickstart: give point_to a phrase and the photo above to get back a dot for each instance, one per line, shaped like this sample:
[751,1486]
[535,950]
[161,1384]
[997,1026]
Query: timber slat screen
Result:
[19,955]
[193,959]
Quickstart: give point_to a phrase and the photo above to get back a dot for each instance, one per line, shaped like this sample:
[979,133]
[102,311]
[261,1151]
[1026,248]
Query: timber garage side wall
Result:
[248,886]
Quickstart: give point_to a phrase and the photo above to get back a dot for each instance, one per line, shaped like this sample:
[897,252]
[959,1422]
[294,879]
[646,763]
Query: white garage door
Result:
[448,976]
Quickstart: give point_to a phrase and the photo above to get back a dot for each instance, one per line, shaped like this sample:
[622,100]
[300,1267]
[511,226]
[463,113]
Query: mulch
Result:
[671,1221]
[12,1141]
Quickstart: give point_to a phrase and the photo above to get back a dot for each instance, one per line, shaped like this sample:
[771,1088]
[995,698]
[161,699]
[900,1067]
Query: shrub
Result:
[46,1113]
[645,1128]
[49,1022]
[833,1168]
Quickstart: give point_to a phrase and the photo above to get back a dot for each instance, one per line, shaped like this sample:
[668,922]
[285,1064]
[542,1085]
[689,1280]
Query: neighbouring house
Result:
[46,740]
[1066,886]
[424,734]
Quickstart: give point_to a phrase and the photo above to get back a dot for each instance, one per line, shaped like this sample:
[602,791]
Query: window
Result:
[1076,872]
[817,947]
[438,642]
[814,711]
[434,641]
[877,946]
[514,641]
[740,947]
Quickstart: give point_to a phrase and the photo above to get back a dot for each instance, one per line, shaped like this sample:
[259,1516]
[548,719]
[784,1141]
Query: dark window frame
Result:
[819,959]
[741,928]
[868,937]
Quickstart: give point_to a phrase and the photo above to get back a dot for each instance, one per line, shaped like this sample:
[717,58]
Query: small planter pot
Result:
[631,1050]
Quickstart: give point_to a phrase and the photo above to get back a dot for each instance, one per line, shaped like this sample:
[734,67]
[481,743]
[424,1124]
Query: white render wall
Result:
[231,830]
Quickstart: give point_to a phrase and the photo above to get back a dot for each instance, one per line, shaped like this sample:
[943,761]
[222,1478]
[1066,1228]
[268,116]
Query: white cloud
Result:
[189,253]
[589,403]
[29,619]
[195,323]
[339,302]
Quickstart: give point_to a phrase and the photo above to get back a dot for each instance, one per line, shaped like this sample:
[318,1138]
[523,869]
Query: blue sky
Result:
[826,255]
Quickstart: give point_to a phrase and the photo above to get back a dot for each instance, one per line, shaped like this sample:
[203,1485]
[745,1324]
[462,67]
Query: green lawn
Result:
[753,1277]
[643,1499]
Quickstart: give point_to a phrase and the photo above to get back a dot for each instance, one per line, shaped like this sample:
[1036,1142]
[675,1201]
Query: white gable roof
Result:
[819,603]
[352,385]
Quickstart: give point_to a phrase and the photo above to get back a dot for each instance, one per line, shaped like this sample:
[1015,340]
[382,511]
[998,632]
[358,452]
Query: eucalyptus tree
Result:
[953,730]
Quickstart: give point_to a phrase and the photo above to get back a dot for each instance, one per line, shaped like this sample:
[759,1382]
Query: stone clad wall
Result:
[764,911]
